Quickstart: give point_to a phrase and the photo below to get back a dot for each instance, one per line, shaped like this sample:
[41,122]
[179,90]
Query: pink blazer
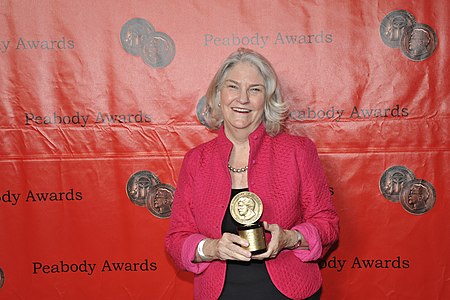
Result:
[285,172]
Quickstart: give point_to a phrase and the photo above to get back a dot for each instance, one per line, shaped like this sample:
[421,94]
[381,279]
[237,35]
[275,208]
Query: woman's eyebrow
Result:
[252,84]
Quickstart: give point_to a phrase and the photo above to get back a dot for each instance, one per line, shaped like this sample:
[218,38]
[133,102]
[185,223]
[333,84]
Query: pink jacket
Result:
[285,172]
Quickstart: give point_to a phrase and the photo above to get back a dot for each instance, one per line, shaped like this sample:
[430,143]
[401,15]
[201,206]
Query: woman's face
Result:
[242,98]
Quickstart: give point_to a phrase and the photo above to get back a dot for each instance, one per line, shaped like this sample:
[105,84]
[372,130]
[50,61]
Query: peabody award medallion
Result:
[393,180]
[160,199]
[140,185]
[393,25]
[133,34]
[158,50]
[418,196]
[246,208]
[418,42]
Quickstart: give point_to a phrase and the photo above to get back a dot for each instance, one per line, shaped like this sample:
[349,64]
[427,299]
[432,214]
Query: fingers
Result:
[272,228]
[236,239]
[262,256]
[230,246]
[276,244]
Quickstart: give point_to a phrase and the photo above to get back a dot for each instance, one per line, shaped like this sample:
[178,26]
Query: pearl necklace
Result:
[239,170]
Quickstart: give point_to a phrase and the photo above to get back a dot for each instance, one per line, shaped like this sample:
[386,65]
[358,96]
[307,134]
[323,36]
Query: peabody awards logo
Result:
[139,38]
[416,41]
[144,188]
[399,184]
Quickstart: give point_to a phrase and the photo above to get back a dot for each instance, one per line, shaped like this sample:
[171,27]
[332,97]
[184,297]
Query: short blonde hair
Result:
[275,109]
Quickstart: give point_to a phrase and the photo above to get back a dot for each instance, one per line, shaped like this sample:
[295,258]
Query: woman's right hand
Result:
[228,247]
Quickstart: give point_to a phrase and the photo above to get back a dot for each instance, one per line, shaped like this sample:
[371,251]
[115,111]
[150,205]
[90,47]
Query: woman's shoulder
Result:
[290,146]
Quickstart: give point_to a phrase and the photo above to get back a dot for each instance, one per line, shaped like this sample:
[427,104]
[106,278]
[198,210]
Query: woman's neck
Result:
[238,136]
[239,156]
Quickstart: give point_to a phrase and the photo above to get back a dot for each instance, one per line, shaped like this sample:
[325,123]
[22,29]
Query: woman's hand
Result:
[280,240]
[228,247]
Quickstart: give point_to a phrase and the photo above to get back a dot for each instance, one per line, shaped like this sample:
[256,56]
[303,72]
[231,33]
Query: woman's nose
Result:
[243,97]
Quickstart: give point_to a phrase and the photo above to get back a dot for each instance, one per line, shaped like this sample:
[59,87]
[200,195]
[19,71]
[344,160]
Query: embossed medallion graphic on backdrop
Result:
[416,41]
[159,201]
[399,184]
[418,196]
[392,181]
[139,38]
[144,188]
[140,185]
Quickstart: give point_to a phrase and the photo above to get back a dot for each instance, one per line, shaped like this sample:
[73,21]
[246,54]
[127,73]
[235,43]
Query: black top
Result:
[246,280]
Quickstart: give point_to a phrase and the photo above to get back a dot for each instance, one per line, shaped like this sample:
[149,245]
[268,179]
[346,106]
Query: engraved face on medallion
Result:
[418,42]
[393,25]
[140,185]
[418,196]
[133,33]
[158,50]
[159,201]
[392,181]
[246,208]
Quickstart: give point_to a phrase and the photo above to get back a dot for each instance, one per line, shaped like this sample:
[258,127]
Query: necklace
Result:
[239,170]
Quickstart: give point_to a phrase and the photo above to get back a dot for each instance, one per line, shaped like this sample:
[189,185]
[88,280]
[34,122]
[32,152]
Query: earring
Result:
[219,104]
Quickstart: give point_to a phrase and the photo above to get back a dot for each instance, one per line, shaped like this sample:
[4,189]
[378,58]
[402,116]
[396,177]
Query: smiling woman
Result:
[251,154]
[242,99]
[275,110]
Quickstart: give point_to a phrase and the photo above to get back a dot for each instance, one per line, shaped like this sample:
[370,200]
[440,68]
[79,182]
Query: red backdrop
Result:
[82,113]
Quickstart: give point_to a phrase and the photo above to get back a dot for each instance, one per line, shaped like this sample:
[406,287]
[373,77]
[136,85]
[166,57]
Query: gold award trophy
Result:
[246,208]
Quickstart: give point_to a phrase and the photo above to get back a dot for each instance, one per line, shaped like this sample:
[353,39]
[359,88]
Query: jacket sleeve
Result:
[320,225]
[183,236]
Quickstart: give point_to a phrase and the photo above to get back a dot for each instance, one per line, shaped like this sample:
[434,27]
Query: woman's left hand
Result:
[280,240]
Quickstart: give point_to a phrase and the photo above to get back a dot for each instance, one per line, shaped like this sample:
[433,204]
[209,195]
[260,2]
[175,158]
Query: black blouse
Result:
[246,280]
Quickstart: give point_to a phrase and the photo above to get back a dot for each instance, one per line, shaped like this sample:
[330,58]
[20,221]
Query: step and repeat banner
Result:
[100,100]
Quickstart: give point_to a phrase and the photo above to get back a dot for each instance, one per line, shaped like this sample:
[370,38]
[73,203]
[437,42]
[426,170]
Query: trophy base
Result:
[255,236]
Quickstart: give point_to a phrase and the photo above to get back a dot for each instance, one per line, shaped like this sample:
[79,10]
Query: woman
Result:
[251,153]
